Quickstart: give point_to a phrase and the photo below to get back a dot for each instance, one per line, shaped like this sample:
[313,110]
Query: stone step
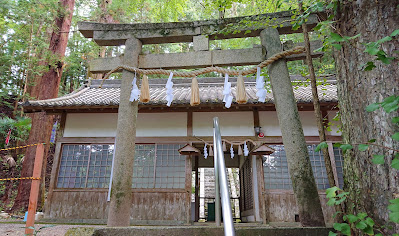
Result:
[197,231]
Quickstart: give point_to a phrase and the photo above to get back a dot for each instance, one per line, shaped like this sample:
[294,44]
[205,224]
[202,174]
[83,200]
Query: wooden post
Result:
[197,199]
[303,182]
[121,188]
[34,190]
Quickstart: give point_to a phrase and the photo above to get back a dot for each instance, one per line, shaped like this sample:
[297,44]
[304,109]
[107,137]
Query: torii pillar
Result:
[125,140]
[300,168]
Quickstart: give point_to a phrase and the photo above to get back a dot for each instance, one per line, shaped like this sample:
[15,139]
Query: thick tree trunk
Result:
[371,186]
[46,88]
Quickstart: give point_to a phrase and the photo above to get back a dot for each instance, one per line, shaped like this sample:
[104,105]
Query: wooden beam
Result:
[199,59]
[175,32]
[34,190]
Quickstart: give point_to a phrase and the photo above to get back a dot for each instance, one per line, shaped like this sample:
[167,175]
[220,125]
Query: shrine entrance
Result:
[270,54]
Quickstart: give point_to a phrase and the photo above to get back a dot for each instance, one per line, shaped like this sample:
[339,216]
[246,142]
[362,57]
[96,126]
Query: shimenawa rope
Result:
[275,57]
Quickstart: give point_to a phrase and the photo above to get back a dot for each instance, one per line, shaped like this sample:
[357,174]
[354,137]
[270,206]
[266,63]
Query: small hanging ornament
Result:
[169,90]
[231,151]
[246,151]
[227,97]
[241,94]
[134,95]
[145,90]
[239,150]
[224,147]
[195,98]
[260,86]
[210,151]
[205,152]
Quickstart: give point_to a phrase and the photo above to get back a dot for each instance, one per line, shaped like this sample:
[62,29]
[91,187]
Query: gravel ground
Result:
[17,229]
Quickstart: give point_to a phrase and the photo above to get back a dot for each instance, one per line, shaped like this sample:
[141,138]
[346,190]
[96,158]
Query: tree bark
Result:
[300,168]
[121,187]
[46,88]
[371,186]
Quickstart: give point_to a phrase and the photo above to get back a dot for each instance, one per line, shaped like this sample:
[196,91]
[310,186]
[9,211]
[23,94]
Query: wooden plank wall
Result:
[78,206]
[281,206]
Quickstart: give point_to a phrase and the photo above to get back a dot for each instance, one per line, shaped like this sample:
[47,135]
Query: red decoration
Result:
[261,135]
[8,136]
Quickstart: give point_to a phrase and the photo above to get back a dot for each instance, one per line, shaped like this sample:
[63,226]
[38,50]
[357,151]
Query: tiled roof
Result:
[211,92]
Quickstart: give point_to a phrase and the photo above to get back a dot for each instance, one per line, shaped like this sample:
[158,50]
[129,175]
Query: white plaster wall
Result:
[334,124]
[104,124]
[231,123]
[90,125]
[269,122]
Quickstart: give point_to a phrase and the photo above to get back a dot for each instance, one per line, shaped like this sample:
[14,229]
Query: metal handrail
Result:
[221,181]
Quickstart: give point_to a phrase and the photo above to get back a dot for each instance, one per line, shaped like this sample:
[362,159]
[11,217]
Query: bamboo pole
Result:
[34,190]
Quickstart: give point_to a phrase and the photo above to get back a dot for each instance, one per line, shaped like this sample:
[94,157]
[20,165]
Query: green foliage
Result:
[20,128]
[378,159]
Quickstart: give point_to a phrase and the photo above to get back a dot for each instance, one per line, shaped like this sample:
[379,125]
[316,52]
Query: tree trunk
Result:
[46,88]
[371,186]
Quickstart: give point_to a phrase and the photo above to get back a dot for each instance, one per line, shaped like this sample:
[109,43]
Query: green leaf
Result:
[370,221]
[368,66]
[394,201]
[352,218]
[363,147]
[321,146]
[362,215]
[332,234]
[396,136]
[372,107]
[395,33]
[368,230]
[372,140]
[346,147]
[393,207]
[336,37]
[361,225]
[395,163]
[378,159]
[331,192]
[385,39]
[395,120]
[394,216]
[372,48]
[337,46]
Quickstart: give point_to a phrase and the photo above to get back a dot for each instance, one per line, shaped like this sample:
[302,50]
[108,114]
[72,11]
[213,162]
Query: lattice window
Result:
[170,167]
[275,168]
[89,166]
[143,168]
[276,172]
[339,163]
[85,166]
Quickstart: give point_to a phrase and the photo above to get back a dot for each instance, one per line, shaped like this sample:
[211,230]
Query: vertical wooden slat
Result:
[188,188]
[333,165]
[34,191]
[197,199]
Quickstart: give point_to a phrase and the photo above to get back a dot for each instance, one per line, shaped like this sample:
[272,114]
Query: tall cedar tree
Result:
[370,185]
[46,88]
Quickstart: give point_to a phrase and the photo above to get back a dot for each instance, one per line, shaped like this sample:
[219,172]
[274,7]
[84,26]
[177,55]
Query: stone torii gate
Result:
[133,36]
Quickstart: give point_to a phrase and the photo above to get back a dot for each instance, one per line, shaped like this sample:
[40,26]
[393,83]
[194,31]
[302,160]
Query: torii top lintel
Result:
[154,33]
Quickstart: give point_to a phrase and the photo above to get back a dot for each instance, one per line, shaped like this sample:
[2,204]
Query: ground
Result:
[17,228]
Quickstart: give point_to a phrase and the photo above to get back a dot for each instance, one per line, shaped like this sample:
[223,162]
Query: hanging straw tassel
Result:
[144,90]
[224,147]
[239,150]
[241,95]
[210,151]
[195,98]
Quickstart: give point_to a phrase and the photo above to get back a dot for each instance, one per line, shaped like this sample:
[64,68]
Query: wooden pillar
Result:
[34,190]
[299,165]
[121,188]
[197,199]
